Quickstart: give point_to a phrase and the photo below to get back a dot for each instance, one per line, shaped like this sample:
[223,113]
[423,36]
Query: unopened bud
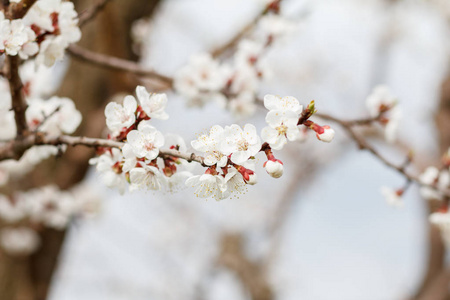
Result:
[252,179]
[274,168]
[327,135]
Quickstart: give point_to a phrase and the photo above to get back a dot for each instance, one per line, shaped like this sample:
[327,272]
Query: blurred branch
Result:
[90,14]
[274,6]
[250,274]
[115,63]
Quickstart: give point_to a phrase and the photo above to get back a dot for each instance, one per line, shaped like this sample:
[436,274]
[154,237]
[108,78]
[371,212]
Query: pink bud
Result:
[327,135]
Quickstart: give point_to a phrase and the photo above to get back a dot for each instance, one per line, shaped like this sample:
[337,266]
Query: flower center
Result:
[242,145]
[149,146]
[282,129]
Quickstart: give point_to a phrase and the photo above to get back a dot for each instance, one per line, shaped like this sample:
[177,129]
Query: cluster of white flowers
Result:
[231,149]
[48,28]
[233,84]
[17,38]
[137,163]
[47,206]
[382,104]
[440,179]
[54,116]
[228,152]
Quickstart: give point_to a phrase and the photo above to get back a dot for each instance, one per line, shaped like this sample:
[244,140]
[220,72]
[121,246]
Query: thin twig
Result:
[115,63]
[46,117]
[90,14]
[243,32]
[363,144]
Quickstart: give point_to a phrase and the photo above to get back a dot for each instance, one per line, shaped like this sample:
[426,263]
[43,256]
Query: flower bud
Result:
[274,168]
[252,179]
[327,135]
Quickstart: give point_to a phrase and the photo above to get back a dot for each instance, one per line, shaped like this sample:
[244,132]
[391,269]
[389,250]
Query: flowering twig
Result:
[90,14]
[115,63]
[15,148]
[245,30]
[363,144]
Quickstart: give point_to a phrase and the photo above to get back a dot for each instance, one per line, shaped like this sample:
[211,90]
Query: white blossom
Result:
[130,160]
[145,141]
[11,211]
[235,184]
[241,144]
[211,146]
[380,100]
[208,186]
[248,52]
[393,197]
[38,81]
[20,241]
[146,177]
[109,165]
[201,80]
[14,35]
[51,50]
[121,116]
[243,105]
[282,127]
[49,206]
[282,104]
[275,26]
[57,22]
[430,177]
[152,104]
[53,116]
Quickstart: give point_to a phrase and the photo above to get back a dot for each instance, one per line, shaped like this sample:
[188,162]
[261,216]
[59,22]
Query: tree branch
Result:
[91,13]
[115,63]
[14,149]
[245,30]
[19,105]
[363,144]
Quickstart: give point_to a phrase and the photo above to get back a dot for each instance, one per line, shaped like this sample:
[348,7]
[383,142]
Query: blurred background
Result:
[323,230]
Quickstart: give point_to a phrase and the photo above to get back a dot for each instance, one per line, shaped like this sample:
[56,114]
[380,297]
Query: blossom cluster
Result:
[25,213]
[137,163]
[233,83]
[228,152]
[51,116]
[47,29]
